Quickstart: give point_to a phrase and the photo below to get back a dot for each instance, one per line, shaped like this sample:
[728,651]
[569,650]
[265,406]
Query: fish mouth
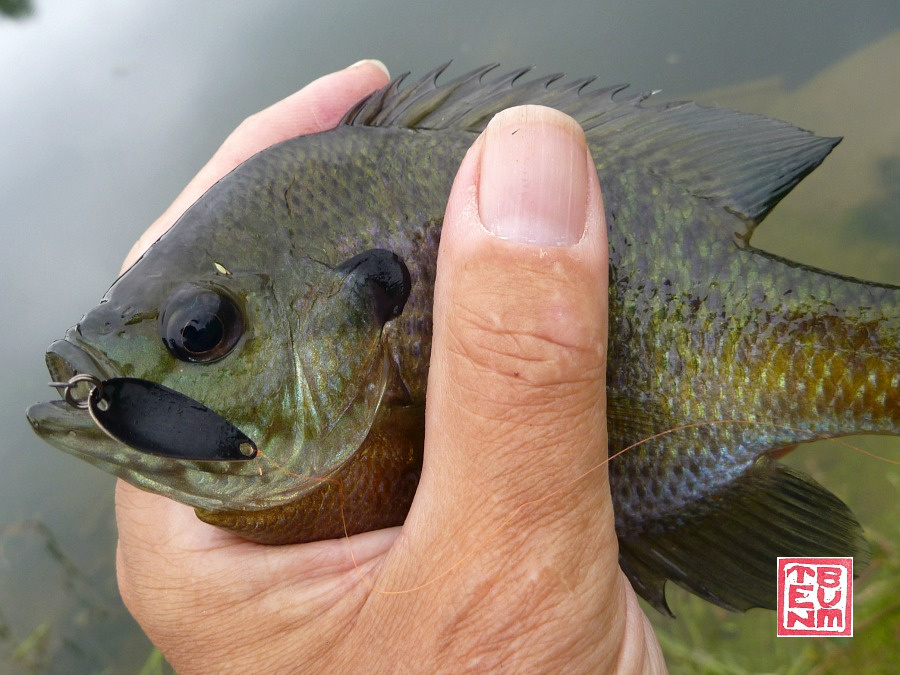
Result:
[65,360]
[60,423]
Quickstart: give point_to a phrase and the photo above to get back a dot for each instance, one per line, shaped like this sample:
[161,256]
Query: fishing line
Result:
[516,511]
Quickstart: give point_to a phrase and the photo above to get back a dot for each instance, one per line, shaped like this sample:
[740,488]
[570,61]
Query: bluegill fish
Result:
[290,307]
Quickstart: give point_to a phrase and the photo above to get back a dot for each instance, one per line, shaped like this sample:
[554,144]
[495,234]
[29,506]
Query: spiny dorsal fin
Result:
[746,163]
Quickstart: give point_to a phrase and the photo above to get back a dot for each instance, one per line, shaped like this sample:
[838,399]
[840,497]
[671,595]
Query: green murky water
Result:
[107,109]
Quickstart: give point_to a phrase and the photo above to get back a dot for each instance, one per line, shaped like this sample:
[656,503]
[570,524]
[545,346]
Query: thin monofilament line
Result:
[515,512]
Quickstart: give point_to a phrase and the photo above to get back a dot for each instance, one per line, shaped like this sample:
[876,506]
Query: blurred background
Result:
[108,108]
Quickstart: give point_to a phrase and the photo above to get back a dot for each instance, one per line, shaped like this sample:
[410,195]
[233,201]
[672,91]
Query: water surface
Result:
[108,108]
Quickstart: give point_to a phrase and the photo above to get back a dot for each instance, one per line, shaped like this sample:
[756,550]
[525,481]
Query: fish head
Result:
[294,360]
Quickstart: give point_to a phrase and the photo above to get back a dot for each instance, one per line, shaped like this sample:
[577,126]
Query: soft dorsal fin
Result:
[746,163]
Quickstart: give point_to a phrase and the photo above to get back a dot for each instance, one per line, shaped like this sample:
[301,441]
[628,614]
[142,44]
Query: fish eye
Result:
[200,325]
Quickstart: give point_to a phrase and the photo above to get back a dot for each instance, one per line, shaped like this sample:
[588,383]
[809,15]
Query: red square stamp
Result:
[815,597]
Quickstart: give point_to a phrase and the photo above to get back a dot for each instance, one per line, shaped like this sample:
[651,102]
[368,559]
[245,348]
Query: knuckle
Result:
[526,374]
[542,334]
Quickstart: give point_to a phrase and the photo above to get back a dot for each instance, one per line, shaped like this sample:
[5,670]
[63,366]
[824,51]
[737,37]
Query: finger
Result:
[188,584]
[317,107]
[518,382]
[160,540]
[513,509]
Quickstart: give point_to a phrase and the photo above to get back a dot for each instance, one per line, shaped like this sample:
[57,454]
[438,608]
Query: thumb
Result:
[513,507]
[516,405]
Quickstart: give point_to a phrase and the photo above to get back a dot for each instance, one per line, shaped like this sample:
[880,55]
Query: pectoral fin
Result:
[725,548]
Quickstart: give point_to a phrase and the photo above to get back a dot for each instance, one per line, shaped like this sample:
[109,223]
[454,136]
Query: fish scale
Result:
[736,354]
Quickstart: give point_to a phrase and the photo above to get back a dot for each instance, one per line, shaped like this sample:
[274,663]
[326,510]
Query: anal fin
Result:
[725,548]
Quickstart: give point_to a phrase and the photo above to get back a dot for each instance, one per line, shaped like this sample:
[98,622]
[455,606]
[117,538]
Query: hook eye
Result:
[156,420]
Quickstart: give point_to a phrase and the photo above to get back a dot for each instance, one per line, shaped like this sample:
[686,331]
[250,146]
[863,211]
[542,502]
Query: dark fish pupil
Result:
[200,325]
[199,336]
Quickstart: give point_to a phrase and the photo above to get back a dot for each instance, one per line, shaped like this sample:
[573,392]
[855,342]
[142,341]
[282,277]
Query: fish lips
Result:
[56,420]
[65,360]
[144,415]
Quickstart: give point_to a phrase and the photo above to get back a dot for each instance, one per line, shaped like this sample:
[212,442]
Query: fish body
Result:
[295,298]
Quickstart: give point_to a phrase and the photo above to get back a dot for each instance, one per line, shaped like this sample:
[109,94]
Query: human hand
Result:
[508,558]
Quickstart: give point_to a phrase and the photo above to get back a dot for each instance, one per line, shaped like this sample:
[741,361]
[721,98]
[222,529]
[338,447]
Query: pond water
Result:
[108,108]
